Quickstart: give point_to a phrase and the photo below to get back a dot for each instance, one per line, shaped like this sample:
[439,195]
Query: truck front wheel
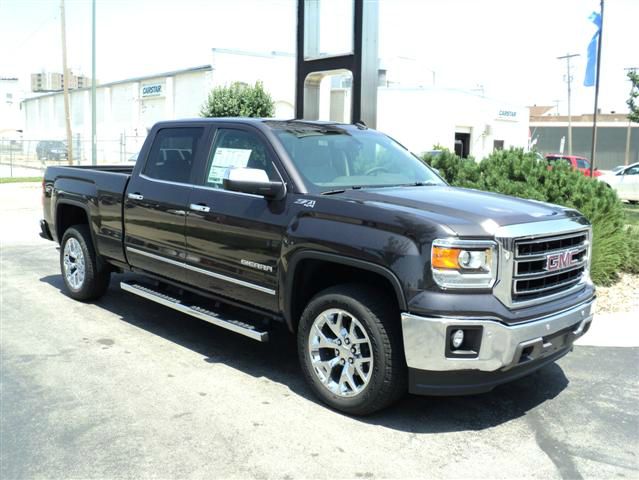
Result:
[84,277]
[350,347]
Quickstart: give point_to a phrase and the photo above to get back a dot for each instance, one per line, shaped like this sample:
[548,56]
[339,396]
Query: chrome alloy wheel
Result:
[341,352]
[73,261]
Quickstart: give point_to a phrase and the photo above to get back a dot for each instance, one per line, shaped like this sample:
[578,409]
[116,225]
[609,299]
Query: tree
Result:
[238,100]
[633,115]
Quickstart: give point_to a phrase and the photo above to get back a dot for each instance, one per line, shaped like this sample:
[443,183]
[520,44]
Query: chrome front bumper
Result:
[502,346]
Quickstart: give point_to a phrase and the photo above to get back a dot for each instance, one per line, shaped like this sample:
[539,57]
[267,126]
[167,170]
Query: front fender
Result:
[356,244]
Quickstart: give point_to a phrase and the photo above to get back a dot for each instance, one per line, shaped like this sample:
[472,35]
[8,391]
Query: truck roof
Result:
[270,122]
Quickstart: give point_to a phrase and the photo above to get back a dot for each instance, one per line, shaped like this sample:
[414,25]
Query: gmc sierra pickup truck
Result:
[390,279]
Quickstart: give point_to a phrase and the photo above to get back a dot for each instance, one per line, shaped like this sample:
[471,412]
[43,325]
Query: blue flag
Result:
[589,79]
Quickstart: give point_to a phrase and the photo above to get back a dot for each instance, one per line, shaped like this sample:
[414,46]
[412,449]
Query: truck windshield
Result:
[330,157]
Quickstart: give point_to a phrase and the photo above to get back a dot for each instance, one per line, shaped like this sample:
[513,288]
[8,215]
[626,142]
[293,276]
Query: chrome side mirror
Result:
[253,181]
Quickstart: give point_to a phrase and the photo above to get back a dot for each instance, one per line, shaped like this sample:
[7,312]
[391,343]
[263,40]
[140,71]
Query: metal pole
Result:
[94,144]
[65,84]
[567,57]
[594,119]
[629,131]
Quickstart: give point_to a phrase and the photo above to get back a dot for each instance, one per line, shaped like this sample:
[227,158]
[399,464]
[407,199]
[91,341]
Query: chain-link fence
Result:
[30,157]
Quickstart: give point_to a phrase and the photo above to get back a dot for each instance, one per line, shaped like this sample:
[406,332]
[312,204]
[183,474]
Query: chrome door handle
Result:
[200,208]
[135,196]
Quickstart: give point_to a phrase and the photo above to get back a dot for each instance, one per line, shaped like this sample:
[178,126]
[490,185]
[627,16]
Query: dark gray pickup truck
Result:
[390,279]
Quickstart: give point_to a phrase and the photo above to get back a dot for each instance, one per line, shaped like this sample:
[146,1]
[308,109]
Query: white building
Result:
[459,120]
[124,111]
[11,120]
[417,117]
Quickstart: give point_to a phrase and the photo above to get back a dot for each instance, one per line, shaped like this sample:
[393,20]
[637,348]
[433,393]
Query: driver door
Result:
[234,239]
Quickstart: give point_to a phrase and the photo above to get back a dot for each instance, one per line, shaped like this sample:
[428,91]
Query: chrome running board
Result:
[195,311]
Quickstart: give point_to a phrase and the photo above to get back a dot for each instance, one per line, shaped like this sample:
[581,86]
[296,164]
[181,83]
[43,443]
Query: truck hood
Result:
[467,212]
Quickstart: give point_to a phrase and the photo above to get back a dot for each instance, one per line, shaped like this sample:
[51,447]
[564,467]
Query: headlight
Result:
[464,263]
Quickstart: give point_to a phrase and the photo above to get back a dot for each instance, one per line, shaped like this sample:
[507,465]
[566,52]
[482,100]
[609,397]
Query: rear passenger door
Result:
[156,202]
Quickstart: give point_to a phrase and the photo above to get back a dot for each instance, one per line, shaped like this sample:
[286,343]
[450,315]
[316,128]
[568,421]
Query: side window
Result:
[581,163]
[172,153]
[237,149]
[632,171]
[559,159]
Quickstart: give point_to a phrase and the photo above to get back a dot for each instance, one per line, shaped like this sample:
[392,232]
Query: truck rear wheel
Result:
[84,276]
[350,347]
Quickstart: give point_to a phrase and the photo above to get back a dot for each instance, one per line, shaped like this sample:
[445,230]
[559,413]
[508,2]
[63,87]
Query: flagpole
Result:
[594,119]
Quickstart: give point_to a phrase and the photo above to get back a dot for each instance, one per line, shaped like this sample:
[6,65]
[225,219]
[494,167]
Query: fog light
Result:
[457,338]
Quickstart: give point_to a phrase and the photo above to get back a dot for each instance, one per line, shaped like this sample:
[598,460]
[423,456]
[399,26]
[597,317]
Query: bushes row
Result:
[515,172]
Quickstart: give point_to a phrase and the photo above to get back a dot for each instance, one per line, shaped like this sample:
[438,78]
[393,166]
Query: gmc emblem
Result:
[558,261]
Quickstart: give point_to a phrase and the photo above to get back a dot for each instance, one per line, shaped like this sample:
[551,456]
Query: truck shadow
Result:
[277,361]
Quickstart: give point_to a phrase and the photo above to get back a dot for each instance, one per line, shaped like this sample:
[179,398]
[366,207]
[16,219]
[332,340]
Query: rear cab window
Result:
[172,154]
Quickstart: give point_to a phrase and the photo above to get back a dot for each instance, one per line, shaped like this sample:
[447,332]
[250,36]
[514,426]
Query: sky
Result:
[507,48]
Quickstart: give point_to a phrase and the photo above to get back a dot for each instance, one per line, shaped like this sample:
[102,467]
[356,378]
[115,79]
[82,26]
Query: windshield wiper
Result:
[342,190]
[420,184]
[332,192]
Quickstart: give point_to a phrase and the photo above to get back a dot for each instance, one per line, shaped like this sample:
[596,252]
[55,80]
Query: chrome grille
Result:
[550,265]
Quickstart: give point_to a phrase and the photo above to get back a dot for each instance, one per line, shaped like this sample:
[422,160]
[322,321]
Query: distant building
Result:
[613,130]
[416,113]
[11,119]
[54,82]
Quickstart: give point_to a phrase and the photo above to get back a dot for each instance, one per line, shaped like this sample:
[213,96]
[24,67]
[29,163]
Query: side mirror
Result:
[253,181]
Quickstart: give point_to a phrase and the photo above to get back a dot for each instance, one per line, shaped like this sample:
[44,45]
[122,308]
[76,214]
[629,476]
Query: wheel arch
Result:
[309,264]
[69,213]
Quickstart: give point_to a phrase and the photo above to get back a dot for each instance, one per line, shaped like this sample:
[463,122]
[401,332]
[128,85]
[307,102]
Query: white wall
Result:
[191,91]
[120,112]
[421,118]
[10,115]
[277,72]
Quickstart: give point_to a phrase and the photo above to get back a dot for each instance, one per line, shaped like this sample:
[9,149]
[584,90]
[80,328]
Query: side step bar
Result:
[195,311]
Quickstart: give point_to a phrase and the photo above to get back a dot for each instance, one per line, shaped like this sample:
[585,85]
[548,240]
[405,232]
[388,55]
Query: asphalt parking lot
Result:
[123,388]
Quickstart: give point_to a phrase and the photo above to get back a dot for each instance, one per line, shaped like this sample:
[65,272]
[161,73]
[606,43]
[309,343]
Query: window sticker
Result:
[227,158]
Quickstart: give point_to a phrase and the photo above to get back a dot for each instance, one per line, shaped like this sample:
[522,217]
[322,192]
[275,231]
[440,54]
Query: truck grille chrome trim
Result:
[542,261]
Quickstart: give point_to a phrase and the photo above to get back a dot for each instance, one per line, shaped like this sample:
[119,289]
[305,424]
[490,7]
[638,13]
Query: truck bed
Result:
[99,190]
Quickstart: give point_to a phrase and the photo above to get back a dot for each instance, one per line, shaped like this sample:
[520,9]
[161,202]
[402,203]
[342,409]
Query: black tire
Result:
[381,321]
[96,273]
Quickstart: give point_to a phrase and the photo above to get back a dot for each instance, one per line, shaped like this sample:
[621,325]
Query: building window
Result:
[498,145]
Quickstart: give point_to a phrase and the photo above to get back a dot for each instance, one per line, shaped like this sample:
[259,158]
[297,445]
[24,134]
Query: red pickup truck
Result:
[577,163]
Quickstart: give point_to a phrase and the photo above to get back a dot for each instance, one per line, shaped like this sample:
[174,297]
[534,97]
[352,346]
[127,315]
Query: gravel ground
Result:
[623,296]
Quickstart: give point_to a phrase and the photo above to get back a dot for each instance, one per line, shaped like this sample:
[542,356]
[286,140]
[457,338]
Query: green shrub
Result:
[632,262]
[463,170]
[239,100]
[514,172]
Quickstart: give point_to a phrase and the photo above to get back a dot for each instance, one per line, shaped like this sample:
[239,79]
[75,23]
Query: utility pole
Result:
[568,79]
[94,134]
[594,118]
[629,132]
[65,86]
